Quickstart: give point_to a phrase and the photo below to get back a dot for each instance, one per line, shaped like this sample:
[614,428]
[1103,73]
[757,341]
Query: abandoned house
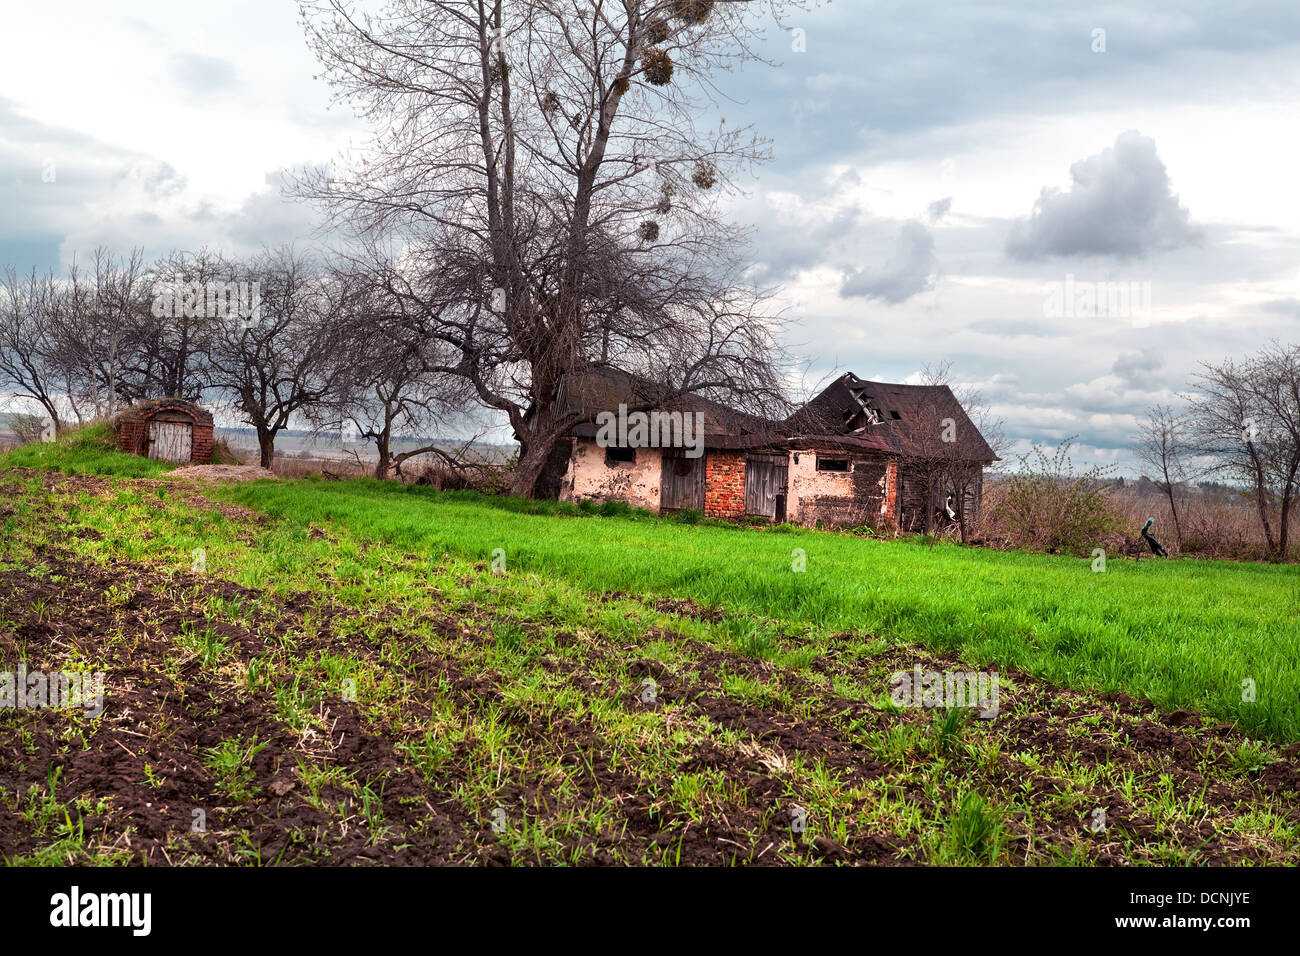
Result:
[169,429]
[899,457]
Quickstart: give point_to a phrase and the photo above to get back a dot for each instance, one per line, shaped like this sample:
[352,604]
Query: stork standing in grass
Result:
[1150,539]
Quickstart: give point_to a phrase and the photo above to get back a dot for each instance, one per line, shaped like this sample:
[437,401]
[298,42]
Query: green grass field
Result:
[83,451]
[1183,633]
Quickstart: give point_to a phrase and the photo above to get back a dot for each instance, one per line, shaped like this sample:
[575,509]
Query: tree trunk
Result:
[1173,510]
[1261,501]
[1261,504]
[266,445]
[1284,529]
[381,448]
[532,461]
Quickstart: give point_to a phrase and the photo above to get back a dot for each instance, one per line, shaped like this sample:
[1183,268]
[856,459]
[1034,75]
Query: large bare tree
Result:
[30,350]
[544,193]
[1246,418]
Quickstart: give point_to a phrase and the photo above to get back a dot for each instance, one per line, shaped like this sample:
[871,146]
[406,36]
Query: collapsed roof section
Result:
[911,421]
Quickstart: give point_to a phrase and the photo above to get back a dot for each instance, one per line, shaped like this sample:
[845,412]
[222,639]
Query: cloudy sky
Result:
[1074,203]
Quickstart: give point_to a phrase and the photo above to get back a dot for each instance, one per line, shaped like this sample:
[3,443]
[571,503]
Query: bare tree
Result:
[98,317]
[949,461]
[973,402]
[393,387]
[1246,417]
[288,359]
[86,343]
[1277,391]
[1162,443]
[542,195]
[176,337]
[31,354]
[27,428]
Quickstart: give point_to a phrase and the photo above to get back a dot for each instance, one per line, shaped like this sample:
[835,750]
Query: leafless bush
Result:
[489,479]
[1046,506]
[1221,526]
[27,428]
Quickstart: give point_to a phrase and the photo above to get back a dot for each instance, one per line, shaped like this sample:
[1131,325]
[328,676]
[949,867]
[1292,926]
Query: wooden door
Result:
[766,477]
[171,441]
[681,484]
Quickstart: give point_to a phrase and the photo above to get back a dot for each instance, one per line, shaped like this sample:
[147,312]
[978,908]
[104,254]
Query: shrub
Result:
[1046,506]
[27,428]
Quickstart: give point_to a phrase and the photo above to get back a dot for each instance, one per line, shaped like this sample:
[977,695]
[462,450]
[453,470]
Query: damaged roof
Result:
[909,421]
[912,421]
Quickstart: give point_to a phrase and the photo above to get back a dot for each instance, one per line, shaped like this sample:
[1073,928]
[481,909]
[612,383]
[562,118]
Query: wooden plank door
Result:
[766,477]
[171,441]
[681,484]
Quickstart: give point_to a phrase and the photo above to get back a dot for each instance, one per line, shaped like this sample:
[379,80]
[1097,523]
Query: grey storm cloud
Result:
[1119,204]
[1283,307]
[911,269]
[783,249]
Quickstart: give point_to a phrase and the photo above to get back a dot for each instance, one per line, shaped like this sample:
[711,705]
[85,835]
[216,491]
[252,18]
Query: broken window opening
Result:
[832,464]
[619,456]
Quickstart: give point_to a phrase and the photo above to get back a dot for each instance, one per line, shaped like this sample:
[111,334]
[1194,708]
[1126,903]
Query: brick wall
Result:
[132,435]
[724,484]
[201,450]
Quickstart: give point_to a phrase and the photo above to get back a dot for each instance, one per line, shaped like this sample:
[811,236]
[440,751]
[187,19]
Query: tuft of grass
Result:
[231,763]
[1250,756]
[207,646]
[973,833]
[948,726]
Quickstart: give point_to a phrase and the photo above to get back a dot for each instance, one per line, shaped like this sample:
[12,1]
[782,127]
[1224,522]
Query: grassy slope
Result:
[1184,634]
[84,451]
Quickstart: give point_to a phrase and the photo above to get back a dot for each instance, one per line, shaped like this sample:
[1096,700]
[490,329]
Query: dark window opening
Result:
[894,415]
[620,456]
[832,464]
